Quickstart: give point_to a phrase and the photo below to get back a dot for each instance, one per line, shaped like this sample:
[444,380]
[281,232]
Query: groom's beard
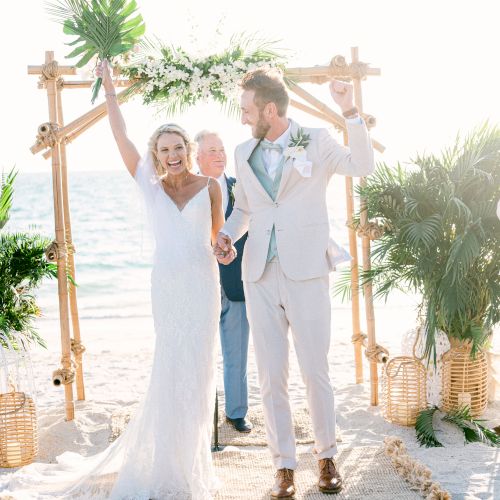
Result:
[261,127]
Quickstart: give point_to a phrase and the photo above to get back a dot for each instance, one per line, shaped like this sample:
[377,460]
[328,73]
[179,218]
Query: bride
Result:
[165,451]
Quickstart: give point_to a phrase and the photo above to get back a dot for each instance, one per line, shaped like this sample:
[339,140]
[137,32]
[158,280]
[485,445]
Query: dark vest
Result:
[230,275]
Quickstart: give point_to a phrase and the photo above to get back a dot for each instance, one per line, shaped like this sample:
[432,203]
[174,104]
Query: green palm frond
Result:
[474,431]
[422,232]
[6,195]
[104,28]
[464,250]
[426,435]
[442,236]
[22,268]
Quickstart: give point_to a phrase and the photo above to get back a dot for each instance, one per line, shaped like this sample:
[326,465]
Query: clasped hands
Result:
[224,250]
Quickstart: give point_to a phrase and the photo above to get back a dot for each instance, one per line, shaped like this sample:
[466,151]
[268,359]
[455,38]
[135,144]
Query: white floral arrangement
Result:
[177,81]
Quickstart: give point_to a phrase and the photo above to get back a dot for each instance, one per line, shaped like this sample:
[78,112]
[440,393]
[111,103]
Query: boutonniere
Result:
[296,150]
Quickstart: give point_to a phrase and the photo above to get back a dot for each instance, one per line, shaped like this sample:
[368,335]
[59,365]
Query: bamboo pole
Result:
[61,244]
[326,73]
[365,245]
[73,135]
[335,118]
[85,84]
[357,338]
[76,344]
[78,123]
[62,70]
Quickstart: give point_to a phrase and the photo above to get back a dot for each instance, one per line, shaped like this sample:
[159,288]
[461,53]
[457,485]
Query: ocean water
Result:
[110,234]
[112,240]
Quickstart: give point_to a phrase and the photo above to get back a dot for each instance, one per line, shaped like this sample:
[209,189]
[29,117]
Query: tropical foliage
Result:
[6,193]
[22,268]
[171,78]
[473,430]
[441,236]
[104,28]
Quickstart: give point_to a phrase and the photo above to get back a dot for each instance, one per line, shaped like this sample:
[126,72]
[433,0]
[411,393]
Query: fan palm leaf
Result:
[104,28]
[6,194]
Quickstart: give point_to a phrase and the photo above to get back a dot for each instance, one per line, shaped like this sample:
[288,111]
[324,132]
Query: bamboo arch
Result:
[52,138]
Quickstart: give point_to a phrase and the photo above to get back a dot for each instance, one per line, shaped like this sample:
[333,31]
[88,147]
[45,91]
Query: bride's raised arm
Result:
[128,151]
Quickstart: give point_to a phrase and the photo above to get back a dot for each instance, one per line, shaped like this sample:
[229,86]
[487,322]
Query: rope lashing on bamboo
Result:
[47,135]
[372,230]
[63,376]
[50,71]
[353,70]
[370,120]
[53,252]
[358,70]
[360,337]
[77,347]
[70,248]
[377,353]
[413,471]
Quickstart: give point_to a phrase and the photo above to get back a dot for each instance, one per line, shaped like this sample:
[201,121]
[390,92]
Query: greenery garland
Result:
[175,81]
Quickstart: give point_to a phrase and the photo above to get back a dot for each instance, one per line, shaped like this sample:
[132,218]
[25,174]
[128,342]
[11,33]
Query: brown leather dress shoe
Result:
[329,477]
[283,487]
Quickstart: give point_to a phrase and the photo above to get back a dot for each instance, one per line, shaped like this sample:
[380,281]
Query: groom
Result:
[280,200]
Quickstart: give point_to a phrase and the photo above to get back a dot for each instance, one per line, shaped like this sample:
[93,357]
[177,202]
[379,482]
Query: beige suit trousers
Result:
[276,304]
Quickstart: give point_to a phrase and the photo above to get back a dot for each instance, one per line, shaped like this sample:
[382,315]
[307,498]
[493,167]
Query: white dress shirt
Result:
[272,158]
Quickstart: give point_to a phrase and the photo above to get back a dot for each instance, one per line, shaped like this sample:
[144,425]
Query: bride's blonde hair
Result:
[170,128]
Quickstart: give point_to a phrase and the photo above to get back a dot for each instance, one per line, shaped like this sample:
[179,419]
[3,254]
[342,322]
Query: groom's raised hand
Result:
[343,94]
[224,249]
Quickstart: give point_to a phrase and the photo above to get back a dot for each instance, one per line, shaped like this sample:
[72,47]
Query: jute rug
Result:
[228,436]
[367,473]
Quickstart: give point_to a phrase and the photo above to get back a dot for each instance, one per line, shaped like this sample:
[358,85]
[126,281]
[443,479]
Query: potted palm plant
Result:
[440,237]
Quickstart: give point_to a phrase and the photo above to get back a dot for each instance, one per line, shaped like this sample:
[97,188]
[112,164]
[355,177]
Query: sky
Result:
[439,61]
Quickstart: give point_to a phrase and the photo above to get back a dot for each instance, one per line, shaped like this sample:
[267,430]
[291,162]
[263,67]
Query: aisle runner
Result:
[228,436]
[367,473]
[302,422]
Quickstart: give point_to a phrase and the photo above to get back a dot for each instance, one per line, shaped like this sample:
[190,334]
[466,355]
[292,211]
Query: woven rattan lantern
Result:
[404,390]
[465,380]
[18,429]
[18,422]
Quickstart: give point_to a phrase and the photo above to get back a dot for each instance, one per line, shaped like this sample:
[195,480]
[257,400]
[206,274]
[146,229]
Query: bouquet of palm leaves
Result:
[104,28]
[441,236]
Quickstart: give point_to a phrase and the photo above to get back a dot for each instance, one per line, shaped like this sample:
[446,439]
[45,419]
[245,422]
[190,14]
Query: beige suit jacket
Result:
[299,212]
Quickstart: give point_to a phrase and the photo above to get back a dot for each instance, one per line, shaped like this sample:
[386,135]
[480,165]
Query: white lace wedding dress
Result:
[164,452]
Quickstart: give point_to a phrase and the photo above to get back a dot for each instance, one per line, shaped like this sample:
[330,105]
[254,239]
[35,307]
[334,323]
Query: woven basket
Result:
[404,390]
[18,430]
[465,380]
